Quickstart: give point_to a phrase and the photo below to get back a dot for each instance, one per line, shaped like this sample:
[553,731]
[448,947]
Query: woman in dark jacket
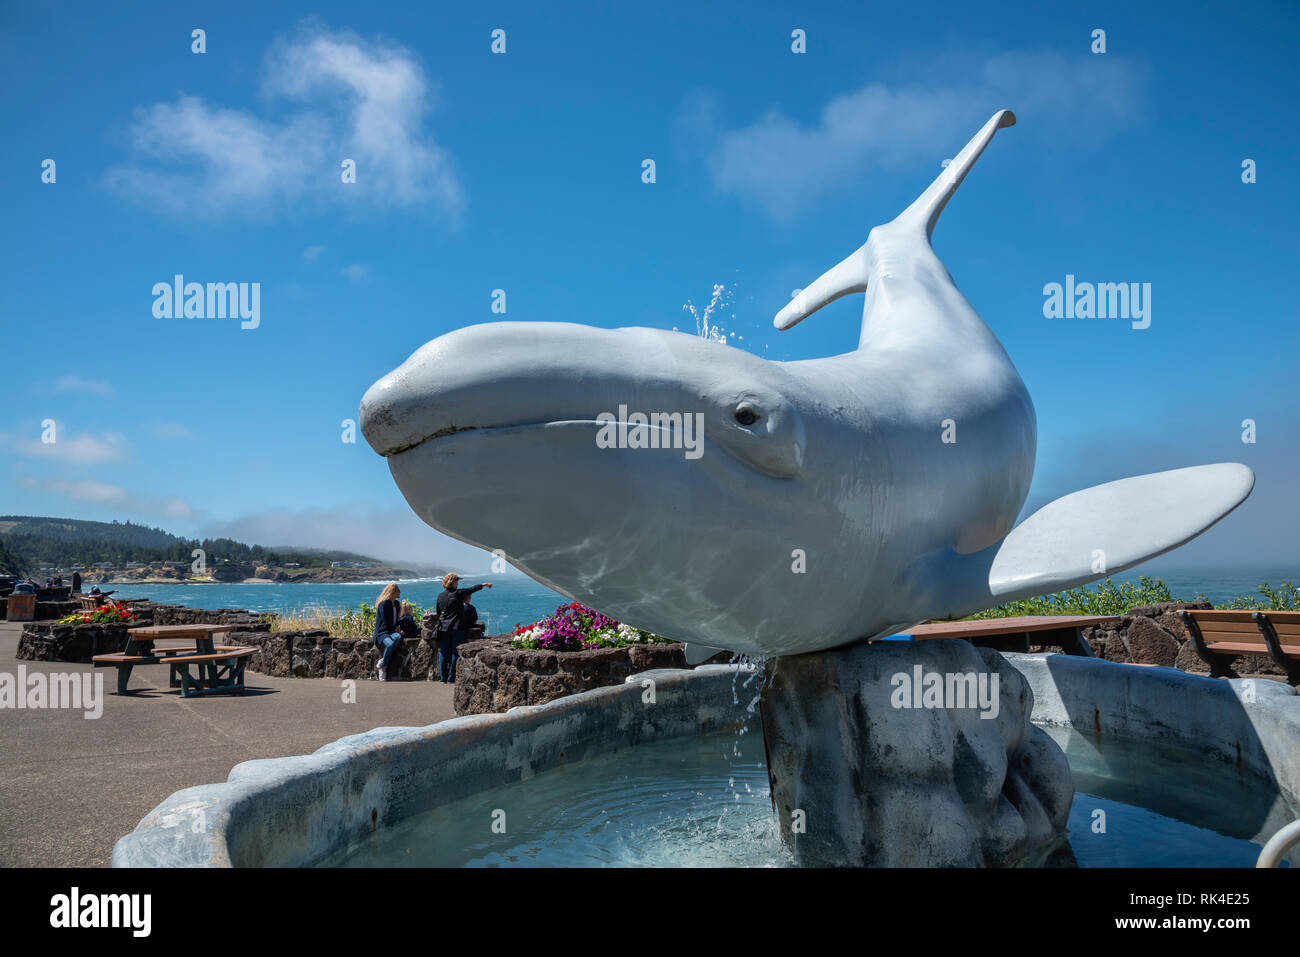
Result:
[449,627]
[387,633]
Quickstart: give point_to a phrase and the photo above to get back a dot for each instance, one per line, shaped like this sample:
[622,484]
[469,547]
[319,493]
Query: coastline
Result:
[271,581]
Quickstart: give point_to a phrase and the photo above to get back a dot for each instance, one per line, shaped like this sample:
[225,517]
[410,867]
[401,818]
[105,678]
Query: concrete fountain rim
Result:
[1126,701]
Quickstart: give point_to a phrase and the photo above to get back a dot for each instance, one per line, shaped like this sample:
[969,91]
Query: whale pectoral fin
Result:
[1084,537]
[847,277]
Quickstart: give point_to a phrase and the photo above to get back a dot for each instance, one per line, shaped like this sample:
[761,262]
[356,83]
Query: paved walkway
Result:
[70,787]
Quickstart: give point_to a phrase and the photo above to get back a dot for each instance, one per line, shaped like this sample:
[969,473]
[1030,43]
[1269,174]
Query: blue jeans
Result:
[448,654]
[386,645]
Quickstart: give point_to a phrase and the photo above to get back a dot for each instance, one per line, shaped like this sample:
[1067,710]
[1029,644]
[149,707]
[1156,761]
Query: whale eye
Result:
[758,425]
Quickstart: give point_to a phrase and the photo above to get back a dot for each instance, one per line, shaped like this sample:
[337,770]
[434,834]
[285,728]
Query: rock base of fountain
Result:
[911,754]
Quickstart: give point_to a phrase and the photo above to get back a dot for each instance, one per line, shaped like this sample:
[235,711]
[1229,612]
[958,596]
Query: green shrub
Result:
[1284,598]
[1107,598]
[356,622]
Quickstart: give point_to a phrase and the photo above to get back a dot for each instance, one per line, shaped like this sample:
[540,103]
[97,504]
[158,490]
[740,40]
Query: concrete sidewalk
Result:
[70,787]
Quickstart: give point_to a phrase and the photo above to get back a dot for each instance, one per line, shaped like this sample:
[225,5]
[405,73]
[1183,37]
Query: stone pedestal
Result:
[911,754]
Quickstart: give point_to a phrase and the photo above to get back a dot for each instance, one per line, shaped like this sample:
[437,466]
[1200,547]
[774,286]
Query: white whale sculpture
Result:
[824,506]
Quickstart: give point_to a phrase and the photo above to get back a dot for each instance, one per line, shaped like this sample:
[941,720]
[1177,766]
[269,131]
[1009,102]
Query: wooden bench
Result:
[220,667]
[91,602]
[1014,634]
[220,671]
[1219,636]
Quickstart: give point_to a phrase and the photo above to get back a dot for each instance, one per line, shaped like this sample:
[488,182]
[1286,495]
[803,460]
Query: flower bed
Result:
[111,612]
[575,627]
[575,649]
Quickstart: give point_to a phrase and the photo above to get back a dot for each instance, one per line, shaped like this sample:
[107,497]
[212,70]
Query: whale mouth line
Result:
[483,430]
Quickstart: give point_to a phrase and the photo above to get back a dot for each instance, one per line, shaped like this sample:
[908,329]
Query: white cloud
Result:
[107,495]
[393,534]
[783,164]
[351,98]
[75,383]
[311,253]
[74,449]
[357,272]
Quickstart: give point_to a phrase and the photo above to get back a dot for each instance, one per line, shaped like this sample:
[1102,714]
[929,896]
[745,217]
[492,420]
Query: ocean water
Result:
[511,600]
[1218,585]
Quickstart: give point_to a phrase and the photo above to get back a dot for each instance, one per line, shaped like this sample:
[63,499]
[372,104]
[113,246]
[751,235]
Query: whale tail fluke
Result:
[852,274]
[1084,537]
[925,209]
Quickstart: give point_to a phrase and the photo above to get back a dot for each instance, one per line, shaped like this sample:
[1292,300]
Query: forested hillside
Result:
[63,542]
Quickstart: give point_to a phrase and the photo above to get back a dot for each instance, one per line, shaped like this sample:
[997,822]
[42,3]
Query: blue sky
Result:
[523,171]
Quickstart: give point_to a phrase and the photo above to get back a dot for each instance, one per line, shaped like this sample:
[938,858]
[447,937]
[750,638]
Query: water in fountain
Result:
[689,801]
[755,667]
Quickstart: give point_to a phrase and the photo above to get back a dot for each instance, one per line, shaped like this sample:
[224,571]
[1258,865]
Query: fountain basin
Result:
[304,811]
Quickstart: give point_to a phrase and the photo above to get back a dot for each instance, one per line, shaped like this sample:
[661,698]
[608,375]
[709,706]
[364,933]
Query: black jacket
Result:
[451,609]
[386,618]
[468,617]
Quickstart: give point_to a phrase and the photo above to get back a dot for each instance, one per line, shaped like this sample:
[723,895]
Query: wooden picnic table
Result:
[221,667]
[1015,634]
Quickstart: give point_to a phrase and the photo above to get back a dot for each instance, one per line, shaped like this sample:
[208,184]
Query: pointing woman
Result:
[449,625]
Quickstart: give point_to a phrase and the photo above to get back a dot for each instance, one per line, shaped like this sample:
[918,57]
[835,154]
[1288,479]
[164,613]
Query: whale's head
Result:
[663,478]
[693,489]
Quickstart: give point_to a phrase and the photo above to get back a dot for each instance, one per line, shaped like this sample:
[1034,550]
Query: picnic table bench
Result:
[220,668]
[1014,634]
[1220,635]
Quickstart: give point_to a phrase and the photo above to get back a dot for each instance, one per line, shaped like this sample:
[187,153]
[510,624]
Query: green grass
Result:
[356,622]
[1107,598]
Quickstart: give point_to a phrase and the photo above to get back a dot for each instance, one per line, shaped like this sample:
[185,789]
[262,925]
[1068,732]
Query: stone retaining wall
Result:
[1149,634]
[493,677]
[154,613]
[50,642]
[312,653]
[309,653]
[1155,635]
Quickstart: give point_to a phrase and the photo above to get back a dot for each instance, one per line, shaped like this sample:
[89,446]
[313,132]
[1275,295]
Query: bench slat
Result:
[219,656]
[1285,630]
[1243,614]
[1246,648]
[119,658]
[1211,634]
